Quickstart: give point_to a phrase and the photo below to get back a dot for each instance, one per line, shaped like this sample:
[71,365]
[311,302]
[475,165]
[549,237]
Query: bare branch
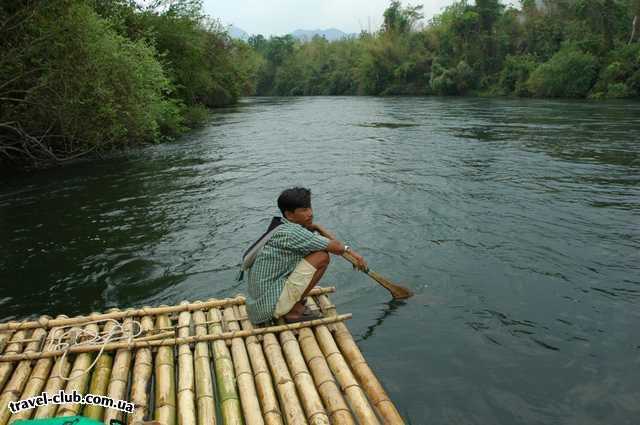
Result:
[10,29]
[35,148]
[31,71]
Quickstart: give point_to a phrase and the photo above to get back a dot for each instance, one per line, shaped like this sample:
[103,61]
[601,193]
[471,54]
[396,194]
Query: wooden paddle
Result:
[397,292]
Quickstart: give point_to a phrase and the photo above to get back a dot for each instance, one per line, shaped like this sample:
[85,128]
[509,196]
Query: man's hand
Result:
[360,263]
[338,248]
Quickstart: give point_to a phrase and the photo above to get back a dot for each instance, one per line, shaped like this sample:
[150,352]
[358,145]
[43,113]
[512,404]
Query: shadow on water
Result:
[89,236]
[482,134]
[389,308]
[387,125]
[592,133]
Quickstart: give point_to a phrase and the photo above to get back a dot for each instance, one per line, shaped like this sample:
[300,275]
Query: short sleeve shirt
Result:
[281,254]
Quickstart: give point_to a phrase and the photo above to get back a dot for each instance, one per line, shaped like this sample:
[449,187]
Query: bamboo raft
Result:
[195,364]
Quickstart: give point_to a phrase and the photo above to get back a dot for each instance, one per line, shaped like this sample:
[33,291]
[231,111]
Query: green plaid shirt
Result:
[277,260]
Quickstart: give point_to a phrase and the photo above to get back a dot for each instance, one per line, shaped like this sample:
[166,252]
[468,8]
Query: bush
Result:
[569,73]
[196,116]
[618,91]
[621,78]
[78,76]
[634,83]
[515,73]
[96,87]
[451,81]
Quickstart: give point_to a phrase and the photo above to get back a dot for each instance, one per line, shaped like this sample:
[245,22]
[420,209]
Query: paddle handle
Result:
[350,258]
[397,291]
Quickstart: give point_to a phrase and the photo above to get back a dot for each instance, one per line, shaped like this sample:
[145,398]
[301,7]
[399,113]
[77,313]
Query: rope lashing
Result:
[77,337]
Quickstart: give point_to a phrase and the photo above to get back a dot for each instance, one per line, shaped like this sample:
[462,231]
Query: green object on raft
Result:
[65,420]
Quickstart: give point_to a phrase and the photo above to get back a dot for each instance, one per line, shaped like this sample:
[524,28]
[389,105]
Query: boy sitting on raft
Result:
[291,262]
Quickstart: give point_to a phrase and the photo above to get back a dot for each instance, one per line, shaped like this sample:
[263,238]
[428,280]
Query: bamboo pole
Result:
[316,414]
[119,315]
[336,406]
[100,378]
[186,393]
[54,384]
[284,384]
[4,339]
[204,383]
[38,378]
[79,377]
[165,387]
[145,311]
[349,385]
[153,337]
[174,341]
[244,374]
[372,387]
[119,375]
[13,347]
[19,378]
[264,384]
[142,370]
[225,377]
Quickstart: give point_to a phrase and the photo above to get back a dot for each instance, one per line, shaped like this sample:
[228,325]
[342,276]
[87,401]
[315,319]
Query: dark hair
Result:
[297,197]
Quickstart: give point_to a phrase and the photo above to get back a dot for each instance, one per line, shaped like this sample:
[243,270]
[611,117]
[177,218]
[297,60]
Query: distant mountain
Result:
[330,34]
[236,32]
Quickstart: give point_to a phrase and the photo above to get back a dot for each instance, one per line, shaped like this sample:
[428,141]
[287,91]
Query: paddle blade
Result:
[397,292]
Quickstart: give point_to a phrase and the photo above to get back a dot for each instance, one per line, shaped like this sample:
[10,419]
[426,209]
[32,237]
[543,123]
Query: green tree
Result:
[90,90]
[399,19]
[635,23]
[621,77]
[569,73]
[481,47]
[515,73]
[84,76]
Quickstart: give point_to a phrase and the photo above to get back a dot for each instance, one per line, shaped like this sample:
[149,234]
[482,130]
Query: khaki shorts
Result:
[294,287]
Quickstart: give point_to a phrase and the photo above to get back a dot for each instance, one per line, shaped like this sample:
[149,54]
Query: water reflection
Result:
[387,310]
[86,237]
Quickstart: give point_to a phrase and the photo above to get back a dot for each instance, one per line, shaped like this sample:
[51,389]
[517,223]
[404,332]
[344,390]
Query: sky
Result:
[279,17]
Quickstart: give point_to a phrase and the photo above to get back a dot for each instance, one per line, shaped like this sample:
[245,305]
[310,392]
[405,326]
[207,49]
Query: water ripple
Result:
[515,222]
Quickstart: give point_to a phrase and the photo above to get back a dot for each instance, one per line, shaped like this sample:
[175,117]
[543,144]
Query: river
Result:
[515,222]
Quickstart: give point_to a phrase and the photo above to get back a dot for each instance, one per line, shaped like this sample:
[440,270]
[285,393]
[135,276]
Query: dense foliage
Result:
[543,48]
[83,76]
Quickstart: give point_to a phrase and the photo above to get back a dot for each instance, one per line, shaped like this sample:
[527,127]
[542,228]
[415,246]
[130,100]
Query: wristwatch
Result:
[347,248]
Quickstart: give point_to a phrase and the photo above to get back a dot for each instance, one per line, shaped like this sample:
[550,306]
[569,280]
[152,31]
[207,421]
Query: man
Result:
[291,262]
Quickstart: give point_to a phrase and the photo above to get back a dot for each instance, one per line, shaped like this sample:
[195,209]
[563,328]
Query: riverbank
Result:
[115,75]
[550,49]
[78,78]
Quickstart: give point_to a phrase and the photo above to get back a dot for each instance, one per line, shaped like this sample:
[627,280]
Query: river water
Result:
[515,222]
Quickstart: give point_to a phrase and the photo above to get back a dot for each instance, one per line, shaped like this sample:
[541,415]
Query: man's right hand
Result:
[360,264]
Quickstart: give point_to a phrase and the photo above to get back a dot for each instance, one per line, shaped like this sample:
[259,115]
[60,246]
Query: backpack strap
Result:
[250,254]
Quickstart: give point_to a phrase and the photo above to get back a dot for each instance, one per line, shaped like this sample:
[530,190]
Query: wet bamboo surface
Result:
[205,364]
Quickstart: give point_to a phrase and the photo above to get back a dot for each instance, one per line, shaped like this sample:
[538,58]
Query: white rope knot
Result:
[79,337]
